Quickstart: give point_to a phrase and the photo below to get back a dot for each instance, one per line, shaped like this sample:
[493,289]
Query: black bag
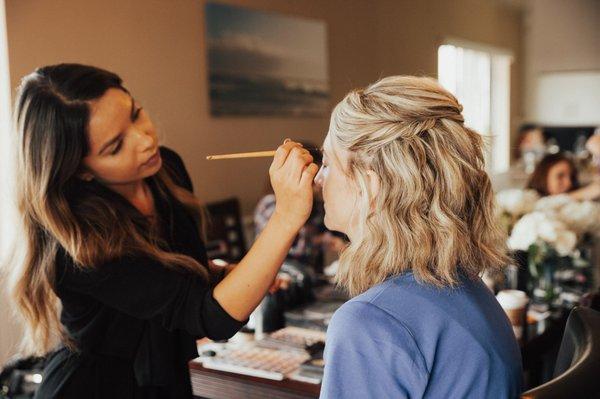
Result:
[20,378]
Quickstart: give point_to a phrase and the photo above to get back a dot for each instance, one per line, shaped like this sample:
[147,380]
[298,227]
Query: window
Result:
[480,78]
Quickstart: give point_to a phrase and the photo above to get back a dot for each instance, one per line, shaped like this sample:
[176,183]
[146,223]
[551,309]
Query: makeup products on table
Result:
[282,354]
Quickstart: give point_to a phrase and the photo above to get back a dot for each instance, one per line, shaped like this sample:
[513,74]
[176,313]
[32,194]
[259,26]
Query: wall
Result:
[158,48]
[409,34]
[560,39]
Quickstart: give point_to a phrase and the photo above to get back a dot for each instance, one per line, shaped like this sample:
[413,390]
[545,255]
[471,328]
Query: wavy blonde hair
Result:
[434,213]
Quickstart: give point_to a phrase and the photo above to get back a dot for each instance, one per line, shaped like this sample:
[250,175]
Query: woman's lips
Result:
[152,160]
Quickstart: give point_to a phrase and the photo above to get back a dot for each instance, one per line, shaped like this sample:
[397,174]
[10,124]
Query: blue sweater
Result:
[402,339]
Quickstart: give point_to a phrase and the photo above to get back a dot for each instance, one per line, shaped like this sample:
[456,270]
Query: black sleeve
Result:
[145,289]
[175,167]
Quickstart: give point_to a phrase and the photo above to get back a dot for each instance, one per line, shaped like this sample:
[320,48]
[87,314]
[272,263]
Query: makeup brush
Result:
[315,152]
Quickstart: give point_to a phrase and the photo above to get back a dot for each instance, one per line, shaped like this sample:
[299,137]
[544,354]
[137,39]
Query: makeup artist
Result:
[115,269]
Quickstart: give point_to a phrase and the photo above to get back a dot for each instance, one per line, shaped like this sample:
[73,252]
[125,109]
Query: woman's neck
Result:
[139,195]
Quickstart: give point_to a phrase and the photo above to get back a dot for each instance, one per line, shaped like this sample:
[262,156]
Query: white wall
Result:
[561,41]
[568,98]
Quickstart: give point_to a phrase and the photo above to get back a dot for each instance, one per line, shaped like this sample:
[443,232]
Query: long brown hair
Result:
[59,210]
[434,213]
[539,178]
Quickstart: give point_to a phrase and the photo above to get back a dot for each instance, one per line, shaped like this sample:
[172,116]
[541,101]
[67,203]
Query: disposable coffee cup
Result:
[514,303]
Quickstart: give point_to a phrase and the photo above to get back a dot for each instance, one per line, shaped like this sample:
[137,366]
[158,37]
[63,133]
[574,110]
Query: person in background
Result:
[593,146]
[305,248]
[404,178]
[531,139]
[531,146]
[557,174]
[313,238]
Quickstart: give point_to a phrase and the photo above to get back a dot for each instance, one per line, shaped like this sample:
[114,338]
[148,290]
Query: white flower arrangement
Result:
[582,217]
[554,235]
[516,202]
[541,228]
[552,203]
[557,221]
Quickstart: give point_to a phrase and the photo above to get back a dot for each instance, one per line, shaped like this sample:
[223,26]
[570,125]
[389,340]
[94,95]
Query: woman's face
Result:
[122,141]
[559,178]
[340,194]
[533,140]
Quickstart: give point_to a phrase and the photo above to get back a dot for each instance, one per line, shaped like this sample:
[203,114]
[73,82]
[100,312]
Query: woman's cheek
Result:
[327,204]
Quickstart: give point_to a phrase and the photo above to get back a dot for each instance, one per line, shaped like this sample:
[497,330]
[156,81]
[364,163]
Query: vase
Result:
[542,282]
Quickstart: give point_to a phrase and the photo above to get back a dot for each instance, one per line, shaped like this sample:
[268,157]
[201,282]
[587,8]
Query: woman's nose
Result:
[146,138]
[319,178]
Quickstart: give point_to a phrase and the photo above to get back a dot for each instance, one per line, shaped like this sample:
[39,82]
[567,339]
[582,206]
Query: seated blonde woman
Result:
[404,179]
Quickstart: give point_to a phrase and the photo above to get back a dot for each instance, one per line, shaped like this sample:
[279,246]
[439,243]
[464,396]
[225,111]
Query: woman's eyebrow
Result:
[133,109]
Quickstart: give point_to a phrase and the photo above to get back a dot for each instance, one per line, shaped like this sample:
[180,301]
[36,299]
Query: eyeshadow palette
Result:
[277,356]
[249,359]
[294,337]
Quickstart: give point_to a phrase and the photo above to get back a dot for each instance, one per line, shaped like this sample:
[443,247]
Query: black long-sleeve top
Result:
[134,321]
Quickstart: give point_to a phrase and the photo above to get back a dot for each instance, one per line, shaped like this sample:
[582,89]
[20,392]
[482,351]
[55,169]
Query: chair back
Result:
[577,371]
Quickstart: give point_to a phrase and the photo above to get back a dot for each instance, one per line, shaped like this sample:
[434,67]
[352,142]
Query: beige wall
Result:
[158,48]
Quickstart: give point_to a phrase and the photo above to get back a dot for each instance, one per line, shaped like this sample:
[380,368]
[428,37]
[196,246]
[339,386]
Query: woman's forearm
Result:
[587,193]
[243,288]
[292,173]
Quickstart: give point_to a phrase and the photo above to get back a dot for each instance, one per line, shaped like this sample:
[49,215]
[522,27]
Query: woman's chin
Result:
[331,225]
[154,168]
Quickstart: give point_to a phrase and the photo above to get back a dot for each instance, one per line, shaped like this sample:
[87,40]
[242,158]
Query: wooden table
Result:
[214,384]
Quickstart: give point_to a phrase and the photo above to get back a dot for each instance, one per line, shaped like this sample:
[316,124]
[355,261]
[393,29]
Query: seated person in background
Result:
[531,139]
[306,254]
[312,238]
[593,146]
[557,174]
[404,178]
[304,249]
[531,146]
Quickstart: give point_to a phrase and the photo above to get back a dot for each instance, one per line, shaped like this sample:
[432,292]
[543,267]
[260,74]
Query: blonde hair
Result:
[434,213]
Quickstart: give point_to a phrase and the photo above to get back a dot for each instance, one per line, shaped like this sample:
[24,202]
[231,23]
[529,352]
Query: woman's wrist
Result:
[285,224]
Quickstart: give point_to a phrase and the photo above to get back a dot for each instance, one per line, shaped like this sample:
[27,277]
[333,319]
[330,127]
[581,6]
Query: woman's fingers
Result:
[281,282]
[293,199]
[282,153]
[308,174]
[275,286]
[298,159]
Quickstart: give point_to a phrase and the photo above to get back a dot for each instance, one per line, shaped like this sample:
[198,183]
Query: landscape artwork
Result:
[266,64]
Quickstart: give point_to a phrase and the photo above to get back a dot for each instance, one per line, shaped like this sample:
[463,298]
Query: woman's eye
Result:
[117,147]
